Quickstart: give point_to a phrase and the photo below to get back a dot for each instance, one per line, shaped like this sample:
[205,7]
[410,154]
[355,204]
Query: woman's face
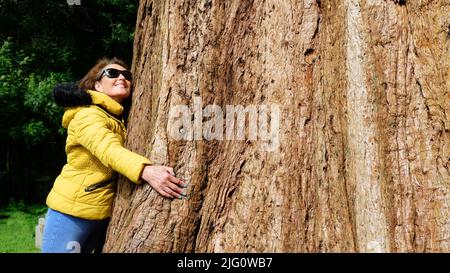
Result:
[117,88]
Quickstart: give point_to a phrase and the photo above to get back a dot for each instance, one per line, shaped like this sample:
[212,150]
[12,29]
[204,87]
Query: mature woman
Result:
[79,204]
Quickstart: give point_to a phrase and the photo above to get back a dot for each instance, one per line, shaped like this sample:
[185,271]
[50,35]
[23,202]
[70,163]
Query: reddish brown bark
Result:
[364,141]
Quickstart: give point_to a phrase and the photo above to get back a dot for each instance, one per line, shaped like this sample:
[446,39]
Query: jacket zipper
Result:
[97,185]
[101,184]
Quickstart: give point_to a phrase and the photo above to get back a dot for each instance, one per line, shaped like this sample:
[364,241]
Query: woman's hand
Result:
[163,180]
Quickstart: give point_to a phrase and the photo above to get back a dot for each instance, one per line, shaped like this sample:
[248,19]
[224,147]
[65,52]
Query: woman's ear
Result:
[97,86]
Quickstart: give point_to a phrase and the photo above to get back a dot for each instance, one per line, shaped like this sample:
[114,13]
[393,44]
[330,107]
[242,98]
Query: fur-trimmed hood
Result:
[73,98]
[70,95]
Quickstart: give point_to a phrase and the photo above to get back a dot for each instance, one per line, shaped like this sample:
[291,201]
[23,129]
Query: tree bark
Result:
[362,158]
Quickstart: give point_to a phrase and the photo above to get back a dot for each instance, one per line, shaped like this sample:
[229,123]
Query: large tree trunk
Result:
[360,161]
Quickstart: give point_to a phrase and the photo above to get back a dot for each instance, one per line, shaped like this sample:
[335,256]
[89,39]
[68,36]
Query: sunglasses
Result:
[113,73]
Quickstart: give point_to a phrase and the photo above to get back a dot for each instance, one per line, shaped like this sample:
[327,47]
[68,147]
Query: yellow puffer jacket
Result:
[95,152]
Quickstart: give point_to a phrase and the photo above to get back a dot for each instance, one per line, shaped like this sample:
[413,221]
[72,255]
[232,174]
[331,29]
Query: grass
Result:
[17,225]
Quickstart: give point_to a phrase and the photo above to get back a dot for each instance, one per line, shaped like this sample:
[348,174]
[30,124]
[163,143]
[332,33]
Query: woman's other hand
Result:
[162,179]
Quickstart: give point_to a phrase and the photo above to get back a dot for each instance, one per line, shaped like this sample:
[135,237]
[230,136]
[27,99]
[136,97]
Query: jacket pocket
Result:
[98,185]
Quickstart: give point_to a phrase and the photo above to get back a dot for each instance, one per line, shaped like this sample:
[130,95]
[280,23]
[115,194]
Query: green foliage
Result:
[27,109]
[38,98]
[70,38]
[34,132]
[121,32]
[20,205]
[15,205]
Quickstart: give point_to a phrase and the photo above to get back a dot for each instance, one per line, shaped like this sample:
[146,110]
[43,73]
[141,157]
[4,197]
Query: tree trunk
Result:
[354,95]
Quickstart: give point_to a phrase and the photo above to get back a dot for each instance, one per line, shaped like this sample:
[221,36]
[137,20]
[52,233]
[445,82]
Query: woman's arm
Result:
[91,131]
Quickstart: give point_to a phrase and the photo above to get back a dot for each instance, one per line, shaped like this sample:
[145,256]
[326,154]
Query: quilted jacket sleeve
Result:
[91,131]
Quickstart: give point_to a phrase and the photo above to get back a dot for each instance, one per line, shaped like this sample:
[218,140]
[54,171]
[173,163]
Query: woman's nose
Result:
[121,77]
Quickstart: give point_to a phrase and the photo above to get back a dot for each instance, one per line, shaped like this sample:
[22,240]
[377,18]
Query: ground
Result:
[17,225]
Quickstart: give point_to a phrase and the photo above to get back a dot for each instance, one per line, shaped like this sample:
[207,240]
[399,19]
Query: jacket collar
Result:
[106,102]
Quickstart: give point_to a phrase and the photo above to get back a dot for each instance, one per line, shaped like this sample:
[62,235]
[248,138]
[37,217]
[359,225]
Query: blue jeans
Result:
[64,233]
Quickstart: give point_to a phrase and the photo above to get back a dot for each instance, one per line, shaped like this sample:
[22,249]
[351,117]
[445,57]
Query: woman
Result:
[81,198]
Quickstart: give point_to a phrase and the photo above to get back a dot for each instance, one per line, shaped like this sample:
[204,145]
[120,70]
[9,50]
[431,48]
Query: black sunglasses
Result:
[113,73]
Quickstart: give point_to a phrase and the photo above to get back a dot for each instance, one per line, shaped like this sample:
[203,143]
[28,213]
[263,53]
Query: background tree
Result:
[363,160]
